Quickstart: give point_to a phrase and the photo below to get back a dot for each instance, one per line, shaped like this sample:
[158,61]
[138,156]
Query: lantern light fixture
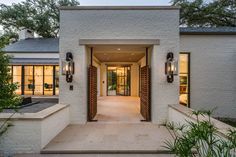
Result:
[68,67]
[171,67]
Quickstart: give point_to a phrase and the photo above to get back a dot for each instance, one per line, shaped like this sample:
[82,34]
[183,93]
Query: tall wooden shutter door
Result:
[92,98]
[145,99]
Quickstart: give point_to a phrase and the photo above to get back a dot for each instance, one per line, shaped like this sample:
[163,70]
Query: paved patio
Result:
[110,138]
[119,109]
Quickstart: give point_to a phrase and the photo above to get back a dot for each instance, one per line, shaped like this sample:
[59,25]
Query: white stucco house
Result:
[114,53]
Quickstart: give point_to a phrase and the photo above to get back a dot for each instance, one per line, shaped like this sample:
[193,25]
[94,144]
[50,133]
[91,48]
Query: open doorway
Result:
[118,80]
[114,93]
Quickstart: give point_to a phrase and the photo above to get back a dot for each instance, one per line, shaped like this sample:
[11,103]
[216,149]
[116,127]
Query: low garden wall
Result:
[33,131]
[180,114]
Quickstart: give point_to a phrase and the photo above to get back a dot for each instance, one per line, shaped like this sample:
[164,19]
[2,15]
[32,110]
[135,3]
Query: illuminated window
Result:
[184,77]
[38,80]
[16,77]
[28,80]
[48,80]
[56,80]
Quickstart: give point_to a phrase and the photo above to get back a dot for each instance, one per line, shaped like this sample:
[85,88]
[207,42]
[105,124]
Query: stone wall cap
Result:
[34,116]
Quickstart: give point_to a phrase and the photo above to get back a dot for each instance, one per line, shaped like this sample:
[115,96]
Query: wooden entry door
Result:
[145,97]
[92,93]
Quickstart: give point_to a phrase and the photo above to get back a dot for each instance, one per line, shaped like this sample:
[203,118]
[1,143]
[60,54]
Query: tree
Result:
[41,16]
[197,13]
[6,38]
[8,97]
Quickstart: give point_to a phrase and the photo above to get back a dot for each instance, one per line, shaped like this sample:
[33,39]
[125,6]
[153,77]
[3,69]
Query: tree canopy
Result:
[199,13]
[41,16]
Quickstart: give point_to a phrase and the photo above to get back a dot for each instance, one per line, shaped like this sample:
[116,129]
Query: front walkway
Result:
[119,109]
[96,137]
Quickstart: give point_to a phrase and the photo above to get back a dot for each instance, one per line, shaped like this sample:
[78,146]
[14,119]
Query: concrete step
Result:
[105,152]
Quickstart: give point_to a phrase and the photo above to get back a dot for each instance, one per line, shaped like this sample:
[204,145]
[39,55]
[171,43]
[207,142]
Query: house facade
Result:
[107,52]
[124,40]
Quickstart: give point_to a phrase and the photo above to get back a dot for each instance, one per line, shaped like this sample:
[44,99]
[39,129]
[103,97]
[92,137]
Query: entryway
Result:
[119,109]
[119,83]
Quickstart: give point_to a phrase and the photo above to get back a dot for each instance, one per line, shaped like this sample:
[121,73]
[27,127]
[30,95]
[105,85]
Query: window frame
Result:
[23,78]
[189,79]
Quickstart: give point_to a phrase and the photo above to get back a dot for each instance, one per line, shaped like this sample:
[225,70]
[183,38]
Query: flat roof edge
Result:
[207,33]
[119,8]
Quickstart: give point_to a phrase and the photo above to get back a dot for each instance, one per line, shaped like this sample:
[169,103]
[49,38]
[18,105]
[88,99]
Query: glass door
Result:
[118,79]
[111,81]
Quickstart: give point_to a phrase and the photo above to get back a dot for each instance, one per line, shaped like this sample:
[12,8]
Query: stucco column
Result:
[76,98]
[162,93]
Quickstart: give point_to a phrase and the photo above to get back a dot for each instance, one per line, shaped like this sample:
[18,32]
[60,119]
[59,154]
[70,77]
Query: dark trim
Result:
[23,80]
[107,80]
[207,33]
[189,79]
[139,80]
[43,79]
[33,81]
[11,73]
[146,55]
[46,52]
[91,56]
[54,81]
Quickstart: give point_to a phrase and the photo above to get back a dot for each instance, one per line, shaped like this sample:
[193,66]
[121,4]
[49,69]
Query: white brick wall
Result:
[29,135]
[213,72]
[119,24]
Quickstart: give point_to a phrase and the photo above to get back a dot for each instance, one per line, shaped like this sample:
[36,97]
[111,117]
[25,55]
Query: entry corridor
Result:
[120,109]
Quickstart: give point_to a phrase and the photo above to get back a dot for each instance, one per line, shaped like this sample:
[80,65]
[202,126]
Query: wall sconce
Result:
[171,67]
[68,67]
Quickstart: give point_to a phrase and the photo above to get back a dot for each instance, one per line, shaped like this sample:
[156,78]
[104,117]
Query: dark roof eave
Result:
[207,33]
[31,51]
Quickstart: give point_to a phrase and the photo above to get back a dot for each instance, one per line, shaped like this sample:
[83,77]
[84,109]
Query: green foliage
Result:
[41,16]
[8,98]
[197,13]
[6,38]
[200,139]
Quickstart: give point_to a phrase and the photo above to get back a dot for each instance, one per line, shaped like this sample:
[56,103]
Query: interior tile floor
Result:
[120,109]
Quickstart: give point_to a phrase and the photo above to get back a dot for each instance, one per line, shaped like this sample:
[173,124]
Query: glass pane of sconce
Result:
[65,67]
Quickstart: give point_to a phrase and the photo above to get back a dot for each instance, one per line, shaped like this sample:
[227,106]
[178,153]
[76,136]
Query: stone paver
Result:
[106,137]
